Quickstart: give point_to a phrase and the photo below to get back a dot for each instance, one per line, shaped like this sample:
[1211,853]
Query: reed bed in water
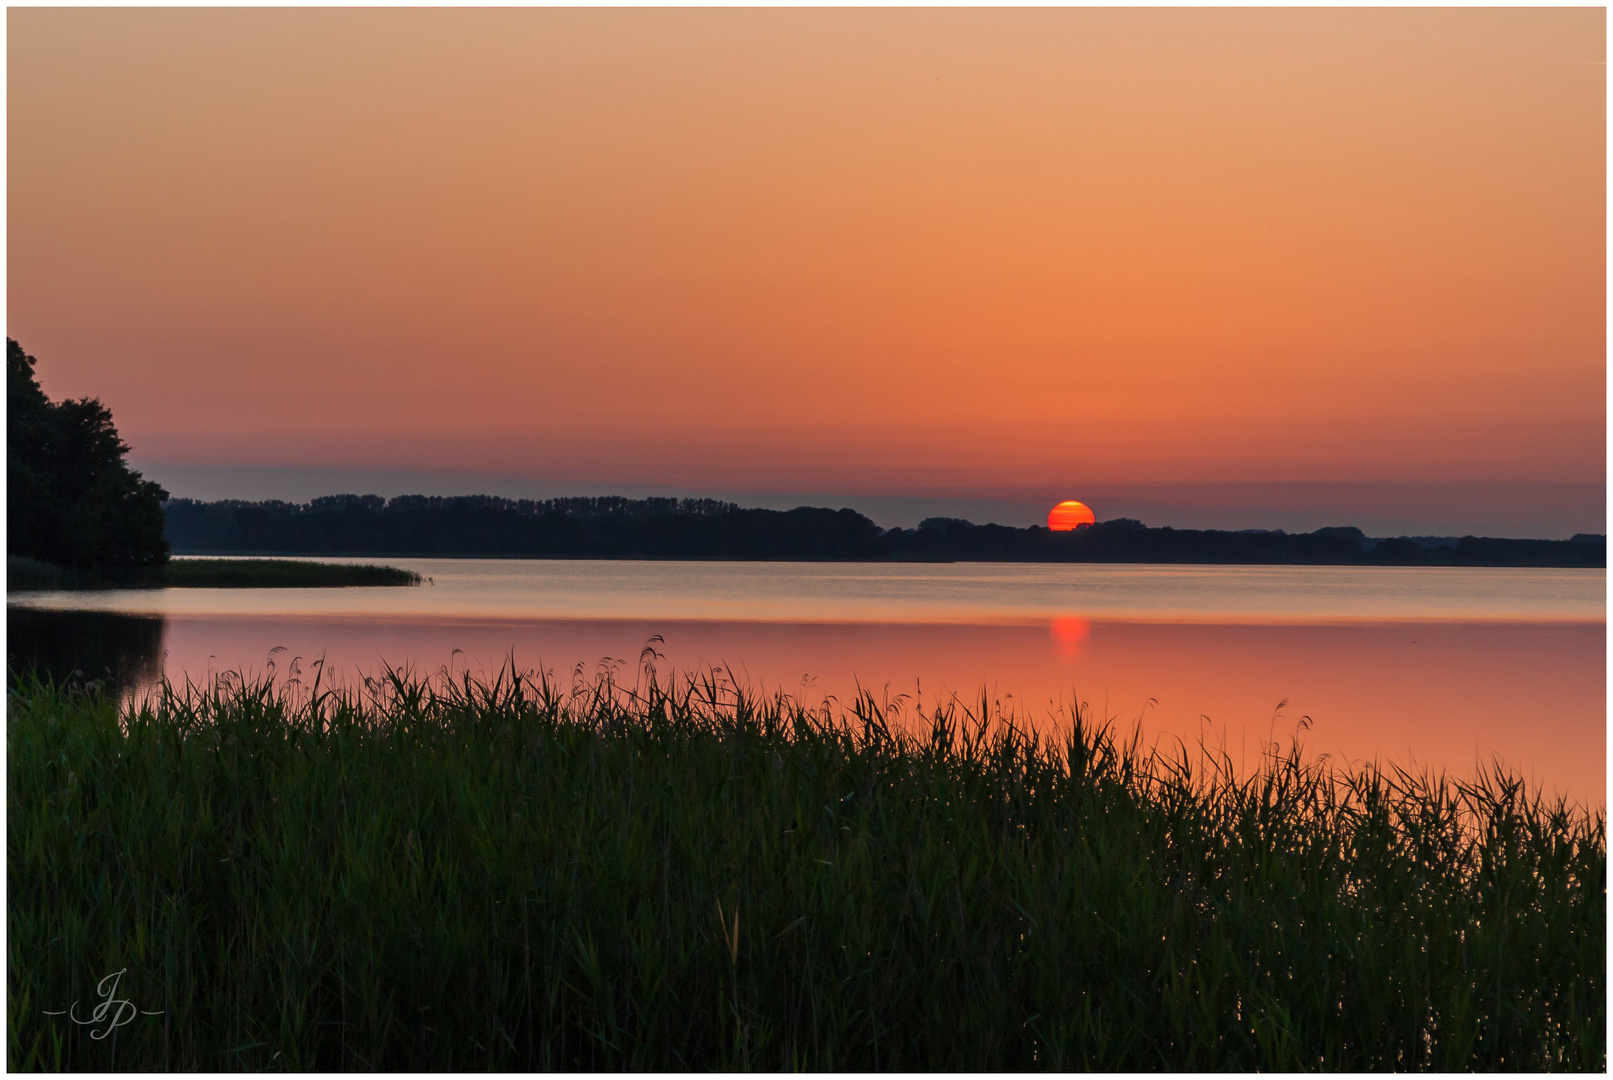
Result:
[278,573]
[23,574]
[458,874]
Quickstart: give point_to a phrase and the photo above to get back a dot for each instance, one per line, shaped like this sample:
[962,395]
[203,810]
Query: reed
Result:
[23,574]
[509,873]
[278,573]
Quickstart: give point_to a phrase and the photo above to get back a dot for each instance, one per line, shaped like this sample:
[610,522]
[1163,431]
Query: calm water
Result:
[1438,667]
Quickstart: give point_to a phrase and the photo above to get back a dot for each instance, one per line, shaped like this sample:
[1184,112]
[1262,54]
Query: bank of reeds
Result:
[25,573]
[30,574]
[463,874]
[278,573]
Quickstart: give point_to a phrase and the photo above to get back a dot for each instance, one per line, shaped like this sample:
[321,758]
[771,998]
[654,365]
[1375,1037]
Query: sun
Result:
[1070,514]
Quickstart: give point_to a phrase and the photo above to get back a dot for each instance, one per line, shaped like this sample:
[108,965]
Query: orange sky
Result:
[892,251]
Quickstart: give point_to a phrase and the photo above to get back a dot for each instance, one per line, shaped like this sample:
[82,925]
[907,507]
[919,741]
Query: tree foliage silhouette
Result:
[71,498]
[616,528]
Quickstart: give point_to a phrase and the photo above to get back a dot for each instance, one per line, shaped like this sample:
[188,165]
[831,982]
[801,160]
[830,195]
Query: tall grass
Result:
[508,874]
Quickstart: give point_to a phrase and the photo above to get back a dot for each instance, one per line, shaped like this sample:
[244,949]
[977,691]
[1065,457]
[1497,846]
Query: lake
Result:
[1445,668]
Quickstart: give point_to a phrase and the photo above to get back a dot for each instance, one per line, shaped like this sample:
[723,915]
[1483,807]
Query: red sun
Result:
[1070,514]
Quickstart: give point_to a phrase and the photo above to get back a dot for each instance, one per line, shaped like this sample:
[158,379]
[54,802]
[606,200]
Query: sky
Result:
[1233,268]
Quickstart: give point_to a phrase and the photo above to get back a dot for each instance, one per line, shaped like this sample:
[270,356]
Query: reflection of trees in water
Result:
[124,651]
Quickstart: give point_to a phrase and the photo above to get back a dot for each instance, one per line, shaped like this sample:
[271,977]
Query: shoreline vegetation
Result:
[71,498]
[24,574]
[619,528]
[459,873]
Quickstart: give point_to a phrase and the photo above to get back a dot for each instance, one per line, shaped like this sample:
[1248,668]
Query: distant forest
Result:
[620,528]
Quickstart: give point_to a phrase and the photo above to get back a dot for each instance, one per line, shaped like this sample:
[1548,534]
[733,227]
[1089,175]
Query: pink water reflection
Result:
[1441,694]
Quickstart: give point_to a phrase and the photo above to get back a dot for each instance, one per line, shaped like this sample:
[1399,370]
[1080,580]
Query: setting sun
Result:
[1070,514]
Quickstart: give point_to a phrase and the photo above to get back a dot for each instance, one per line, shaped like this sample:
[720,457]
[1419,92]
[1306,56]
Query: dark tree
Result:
[480,525]
[71,498]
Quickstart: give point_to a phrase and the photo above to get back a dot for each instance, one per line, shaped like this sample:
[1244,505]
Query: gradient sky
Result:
[944,254]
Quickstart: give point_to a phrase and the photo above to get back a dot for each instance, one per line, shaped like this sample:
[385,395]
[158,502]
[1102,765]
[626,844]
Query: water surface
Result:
[903,592]
[1447,668]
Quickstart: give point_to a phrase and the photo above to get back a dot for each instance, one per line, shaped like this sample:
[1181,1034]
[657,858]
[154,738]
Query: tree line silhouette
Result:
[71,498]
[72,501]
[608,527]
[620,528]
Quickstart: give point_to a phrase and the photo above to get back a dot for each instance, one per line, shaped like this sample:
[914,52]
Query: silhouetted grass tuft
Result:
[435,874]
